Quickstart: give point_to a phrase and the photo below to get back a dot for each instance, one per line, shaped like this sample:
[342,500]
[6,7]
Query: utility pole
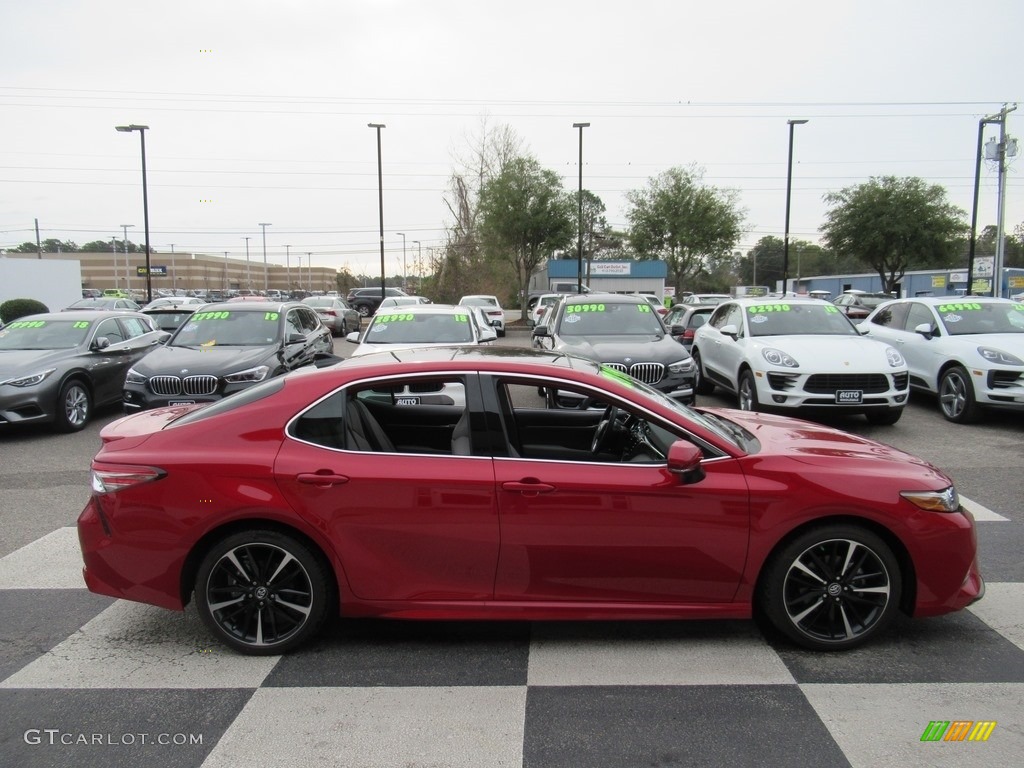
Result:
[1001,150]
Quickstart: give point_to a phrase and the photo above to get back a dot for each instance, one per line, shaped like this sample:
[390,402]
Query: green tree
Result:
[894,224]
[526,216]
[25,247]
[53,245]
[685,223]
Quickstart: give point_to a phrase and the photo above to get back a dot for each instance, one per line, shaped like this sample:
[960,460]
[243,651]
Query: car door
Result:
[602,532]
[109,366]
[719,352]
[407,524]
[895,323]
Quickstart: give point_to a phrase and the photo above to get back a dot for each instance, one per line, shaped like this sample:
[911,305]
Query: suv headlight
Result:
[894,357]
[31,380]
[134,377]
[999,357]
[778,357]
[259,373]
[682,366]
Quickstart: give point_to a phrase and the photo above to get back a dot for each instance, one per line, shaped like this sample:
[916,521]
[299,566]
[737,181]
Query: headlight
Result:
[259,373]
[999,357]
[134,377]
[31,380]
[947,500]
[682,366]
[778,357]
[894,357]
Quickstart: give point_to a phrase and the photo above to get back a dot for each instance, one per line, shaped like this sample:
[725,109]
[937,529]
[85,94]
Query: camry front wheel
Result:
[832,588]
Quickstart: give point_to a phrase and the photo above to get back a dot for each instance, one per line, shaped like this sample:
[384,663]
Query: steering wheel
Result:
[604,429]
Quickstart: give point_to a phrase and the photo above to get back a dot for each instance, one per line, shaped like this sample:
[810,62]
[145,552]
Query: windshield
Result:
[44,334]
[971,317]
[780,319]
[479,301]
[232,328]
[409,328]
[610,319]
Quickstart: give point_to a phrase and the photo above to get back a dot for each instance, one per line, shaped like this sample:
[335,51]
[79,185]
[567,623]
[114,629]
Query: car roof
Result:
[83,315]
[430,309]
[758,301]
[433,356]
[960,300]
[254,306]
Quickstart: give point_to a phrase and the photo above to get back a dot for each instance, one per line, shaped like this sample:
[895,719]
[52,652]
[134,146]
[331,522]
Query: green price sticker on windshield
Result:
[403,318]
[759,308]
[577,308]
[27,324]
[271,316]
[834,310]
[80,324]
[960,306]
[211,316]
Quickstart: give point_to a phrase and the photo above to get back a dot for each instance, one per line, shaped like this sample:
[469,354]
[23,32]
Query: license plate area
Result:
[849,397]
[407,400]
[182,402]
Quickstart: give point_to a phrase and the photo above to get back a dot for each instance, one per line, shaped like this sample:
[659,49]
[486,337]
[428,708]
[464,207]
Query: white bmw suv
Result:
[798,353]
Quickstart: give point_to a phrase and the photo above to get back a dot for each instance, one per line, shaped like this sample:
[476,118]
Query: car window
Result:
[111,329]
[413,415]
[919,314]
[309,320]
[134,326]
[239,328]
[892,316]
[43,334]
[408,328]
[782,319]
[963,318]
[597,318]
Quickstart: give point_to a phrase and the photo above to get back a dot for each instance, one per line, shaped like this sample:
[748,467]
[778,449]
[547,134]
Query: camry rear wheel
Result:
[832,588]
[262,592]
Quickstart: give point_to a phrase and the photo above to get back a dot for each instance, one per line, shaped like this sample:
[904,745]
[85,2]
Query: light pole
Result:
[225,274]
[145,199]
[380,202]
[299,279]
[288,267]
[113,255]
[248,274]
[579,252]
[127,265]
[309,269]
[174,274]
[266,274]
[404,280]
[419,265]
[789,190]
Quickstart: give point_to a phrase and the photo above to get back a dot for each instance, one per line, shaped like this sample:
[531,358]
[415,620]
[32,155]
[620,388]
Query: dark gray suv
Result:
[366,300]
[623,332]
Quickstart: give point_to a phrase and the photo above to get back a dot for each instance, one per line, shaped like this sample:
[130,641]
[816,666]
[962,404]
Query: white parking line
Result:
[981,513]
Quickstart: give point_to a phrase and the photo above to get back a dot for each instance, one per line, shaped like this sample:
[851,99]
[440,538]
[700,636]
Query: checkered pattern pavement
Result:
[89,681]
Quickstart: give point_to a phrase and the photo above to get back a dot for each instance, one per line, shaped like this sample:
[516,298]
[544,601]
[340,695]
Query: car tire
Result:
[279,601]
[884,416]
[701,385]
[956,396]
[746,392]
[74,407]
[831,588]
[363,310]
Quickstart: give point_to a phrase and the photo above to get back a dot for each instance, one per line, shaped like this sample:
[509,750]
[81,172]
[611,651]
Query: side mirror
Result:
[488,334]
[684,460]
[730,330]
[100,343]
[294,338]
[926,329]
[677,330]
[353,338]
[541,330]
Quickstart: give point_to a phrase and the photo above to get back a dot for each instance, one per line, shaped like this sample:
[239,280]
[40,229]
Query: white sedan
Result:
[967,350]
[794,353]
[422,325]
[490,306]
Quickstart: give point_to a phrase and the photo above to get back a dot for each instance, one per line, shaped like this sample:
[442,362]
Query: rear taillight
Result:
[110,478]
[688,334]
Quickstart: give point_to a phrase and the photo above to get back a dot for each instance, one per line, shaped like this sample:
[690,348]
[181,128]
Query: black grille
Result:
[190,385]
[899,381]
[1003,379]
[648,373]
[825,383]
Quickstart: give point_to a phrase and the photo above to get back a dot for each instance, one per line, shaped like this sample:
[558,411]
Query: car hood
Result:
[852,353]
[14,362]
[1005,342]
[614,349]
[816,444]
[217,360]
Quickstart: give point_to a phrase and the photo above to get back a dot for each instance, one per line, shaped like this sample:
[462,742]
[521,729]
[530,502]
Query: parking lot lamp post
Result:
[266,274]
[380,202]
[288,267]
[248,274]
[579,250]
[404,273]
[127,263]
[145,200]
[419,265]
[789,191]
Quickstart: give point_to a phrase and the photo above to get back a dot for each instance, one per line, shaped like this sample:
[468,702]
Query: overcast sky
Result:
[258,110]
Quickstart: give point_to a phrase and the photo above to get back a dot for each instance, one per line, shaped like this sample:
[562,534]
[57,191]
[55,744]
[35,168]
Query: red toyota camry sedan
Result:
[365,489]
